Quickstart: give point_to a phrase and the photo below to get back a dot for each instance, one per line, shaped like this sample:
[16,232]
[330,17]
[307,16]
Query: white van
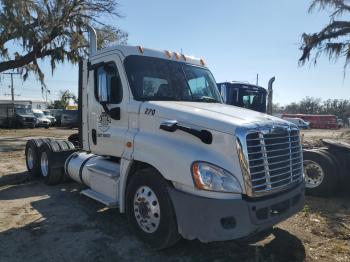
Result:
[302,124]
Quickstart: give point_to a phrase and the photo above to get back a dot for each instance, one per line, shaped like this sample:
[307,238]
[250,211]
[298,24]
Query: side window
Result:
[108,86]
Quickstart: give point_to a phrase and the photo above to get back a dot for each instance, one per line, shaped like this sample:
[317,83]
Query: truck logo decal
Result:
[103,122]
[150,111]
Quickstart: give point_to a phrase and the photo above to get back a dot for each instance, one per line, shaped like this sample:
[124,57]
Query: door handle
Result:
[172,125]
[94,136]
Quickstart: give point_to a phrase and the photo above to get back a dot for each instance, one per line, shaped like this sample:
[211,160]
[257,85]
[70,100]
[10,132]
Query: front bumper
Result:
[208,219]
[43,123]
[28,124]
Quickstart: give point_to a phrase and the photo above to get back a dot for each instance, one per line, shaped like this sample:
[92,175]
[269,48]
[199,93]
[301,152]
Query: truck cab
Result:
[158,143]
[244,95]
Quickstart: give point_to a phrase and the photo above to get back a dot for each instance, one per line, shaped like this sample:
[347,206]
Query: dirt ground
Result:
[42,223]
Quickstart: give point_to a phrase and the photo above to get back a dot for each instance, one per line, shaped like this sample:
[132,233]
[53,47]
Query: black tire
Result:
[33,146]
[166,234]
[50,174]
[74,138]
[66,145]
[326,165]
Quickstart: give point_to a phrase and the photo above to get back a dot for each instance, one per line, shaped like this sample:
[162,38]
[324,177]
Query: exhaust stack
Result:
[270,95]
[92,40]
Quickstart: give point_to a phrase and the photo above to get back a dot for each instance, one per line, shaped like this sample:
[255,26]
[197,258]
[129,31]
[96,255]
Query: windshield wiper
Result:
[208,99]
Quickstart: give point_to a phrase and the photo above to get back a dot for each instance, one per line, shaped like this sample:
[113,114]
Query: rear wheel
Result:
[320,173]
[44,164]
[52,157]
[149,209]
[32,156]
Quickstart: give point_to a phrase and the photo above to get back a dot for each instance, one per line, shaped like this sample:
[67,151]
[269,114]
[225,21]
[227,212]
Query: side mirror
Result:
[102,88]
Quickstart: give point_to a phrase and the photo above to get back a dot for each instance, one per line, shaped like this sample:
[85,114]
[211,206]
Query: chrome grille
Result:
[274,159]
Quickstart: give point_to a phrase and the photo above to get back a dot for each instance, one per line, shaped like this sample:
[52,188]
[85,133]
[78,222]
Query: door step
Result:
[106,200]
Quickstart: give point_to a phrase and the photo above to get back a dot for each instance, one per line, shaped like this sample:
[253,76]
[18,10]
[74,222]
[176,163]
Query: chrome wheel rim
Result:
[146,209]
[314,174]
[44,164]
[30,158]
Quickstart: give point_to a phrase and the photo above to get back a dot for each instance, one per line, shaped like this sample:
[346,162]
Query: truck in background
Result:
[69,118]
[317,121]
[244,95]
[157,143]
[16,115]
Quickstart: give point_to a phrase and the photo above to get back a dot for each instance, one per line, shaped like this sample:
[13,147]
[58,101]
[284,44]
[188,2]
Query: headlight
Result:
[209,177]
[24,119]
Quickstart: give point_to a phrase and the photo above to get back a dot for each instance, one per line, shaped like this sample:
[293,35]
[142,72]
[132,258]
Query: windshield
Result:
[23,111]
[160,79]
[39,115]
[46,113]
[250,99]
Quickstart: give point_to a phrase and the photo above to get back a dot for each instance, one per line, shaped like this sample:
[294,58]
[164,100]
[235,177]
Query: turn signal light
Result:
[168,53]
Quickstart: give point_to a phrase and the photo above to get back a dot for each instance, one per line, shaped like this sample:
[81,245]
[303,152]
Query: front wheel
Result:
[149,209]
[321,175]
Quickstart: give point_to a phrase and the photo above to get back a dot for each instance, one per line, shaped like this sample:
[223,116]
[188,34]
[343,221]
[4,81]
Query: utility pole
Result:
[12,87]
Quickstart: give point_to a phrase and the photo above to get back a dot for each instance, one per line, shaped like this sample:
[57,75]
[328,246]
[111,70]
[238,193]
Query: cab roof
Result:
[243,85]
[127,50]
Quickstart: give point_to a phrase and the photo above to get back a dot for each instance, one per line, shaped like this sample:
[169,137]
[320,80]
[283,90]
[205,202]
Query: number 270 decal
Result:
[150,111]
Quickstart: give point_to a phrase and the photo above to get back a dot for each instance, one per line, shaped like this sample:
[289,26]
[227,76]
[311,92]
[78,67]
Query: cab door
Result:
[107,103]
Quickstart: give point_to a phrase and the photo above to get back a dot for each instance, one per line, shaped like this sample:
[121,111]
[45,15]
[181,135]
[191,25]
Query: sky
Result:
[238,39]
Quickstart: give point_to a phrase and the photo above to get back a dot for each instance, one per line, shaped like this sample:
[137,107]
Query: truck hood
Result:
[26,115]
[215,116]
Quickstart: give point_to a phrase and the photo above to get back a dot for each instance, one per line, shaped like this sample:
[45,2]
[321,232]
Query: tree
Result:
[52,29]
[65,97]
[338,107]
[277,108]
[293,108]
[310,105]
[333,39]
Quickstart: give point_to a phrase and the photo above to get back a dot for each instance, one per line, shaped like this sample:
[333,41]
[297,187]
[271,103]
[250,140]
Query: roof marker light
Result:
[202,62]
[177,55]
[141,49]
[168,53]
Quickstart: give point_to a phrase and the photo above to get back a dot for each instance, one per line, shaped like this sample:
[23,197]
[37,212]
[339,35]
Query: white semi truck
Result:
[158,143]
